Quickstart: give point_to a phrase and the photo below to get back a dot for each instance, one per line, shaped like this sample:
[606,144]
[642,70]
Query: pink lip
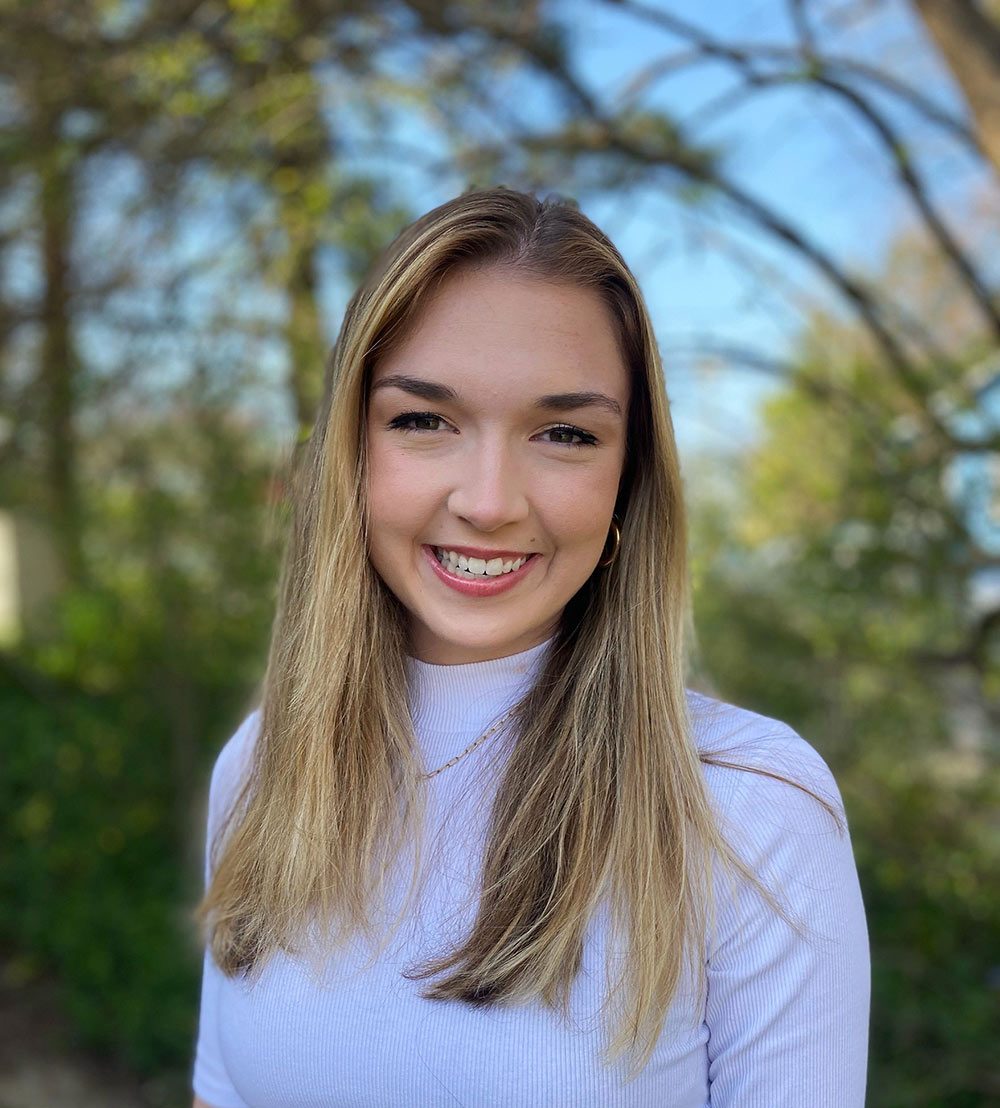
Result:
[489,586]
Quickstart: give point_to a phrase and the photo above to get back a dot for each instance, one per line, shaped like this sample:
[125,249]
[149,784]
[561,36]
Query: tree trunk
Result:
[306,342]
[969,40]
[57,366]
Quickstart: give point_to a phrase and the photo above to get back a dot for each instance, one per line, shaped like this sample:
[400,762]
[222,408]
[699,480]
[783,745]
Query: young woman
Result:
[478,845]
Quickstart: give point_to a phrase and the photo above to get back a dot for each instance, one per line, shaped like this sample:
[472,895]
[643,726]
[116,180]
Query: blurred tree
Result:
[893,519]
[186,189]
[844,571]
[120,121]
[238,123]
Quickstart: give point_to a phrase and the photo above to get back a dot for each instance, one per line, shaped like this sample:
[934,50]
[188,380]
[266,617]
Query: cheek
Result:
[578,511]
[395,498]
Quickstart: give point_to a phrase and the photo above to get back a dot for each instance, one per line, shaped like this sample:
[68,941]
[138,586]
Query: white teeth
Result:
[476,567]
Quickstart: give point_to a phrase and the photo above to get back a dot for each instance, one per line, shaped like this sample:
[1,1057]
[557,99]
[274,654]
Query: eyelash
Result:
[398,423]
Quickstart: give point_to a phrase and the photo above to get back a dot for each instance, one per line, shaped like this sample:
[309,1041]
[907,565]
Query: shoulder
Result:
[234,759]
[760,771]
[780,811]
[786,941]
[231,768]
[230,771]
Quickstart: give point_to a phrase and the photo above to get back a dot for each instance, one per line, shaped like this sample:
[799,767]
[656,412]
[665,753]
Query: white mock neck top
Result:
[448,703]
[786,1018]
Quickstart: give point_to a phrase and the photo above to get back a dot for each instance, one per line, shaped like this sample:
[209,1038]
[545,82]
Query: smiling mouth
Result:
[477,568]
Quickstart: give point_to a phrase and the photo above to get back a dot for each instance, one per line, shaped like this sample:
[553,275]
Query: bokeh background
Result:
[809,194]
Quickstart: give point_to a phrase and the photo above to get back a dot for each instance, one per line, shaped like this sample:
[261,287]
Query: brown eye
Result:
[416,421]
[566,435]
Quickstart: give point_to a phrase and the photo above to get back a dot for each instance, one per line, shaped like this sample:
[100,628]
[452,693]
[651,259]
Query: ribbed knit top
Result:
[785,1022]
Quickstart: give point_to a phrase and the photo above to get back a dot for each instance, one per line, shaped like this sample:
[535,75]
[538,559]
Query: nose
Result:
[489,490]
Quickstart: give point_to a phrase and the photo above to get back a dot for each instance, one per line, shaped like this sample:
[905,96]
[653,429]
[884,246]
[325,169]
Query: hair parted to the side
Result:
[603,794]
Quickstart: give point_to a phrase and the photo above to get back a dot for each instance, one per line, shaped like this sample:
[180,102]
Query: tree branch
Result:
[605,132]
[918,193]
[815,70]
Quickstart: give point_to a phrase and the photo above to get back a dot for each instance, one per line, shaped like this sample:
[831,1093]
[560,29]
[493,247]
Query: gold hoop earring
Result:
[607,559]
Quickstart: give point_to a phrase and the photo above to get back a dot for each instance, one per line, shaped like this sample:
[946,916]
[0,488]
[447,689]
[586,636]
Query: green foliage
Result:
[832,591]
[89,877]
[113,721]
[928,851]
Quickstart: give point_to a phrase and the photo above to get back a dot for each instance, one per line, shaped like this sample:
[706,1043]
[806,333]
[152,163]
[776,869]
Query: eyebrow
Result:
[555,402]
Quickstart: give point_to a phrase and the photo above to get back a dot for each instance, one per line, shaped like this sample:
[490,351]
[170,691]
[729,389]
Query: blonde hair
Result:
[603,794]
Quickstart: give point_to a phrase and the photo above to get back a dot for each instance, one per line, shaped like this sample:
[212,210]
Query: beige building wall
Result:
[29,576]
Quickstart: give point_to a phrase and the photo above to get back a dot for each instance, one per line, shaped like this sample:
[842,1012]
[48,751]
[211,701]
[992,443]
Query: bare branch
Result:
[833,64]
[747,356]
[800,20]
[605,133]
[655,71]
[934,113]
[918,193]
[814,69]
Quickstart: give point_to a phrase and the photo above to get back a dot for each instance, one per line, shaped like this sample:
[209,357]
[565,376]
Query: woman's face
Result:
[495,433]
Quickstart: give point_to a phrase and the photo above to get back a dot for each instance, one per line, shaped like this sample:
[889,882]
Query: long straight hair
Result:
[603,794]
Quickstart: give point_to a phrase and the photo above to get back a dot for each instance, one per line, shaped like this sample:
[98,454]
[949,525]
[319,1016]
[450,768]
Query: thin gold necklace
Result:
[472,746]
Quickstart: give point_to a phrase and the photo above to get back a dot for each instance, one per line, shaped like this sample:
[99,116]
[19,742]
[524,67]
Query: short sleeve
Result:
[210,1079]
[788,1011]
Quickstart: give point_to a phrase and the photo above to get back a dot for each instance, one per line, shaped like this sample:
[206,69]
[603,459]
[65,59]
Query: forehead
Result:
[501,333]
